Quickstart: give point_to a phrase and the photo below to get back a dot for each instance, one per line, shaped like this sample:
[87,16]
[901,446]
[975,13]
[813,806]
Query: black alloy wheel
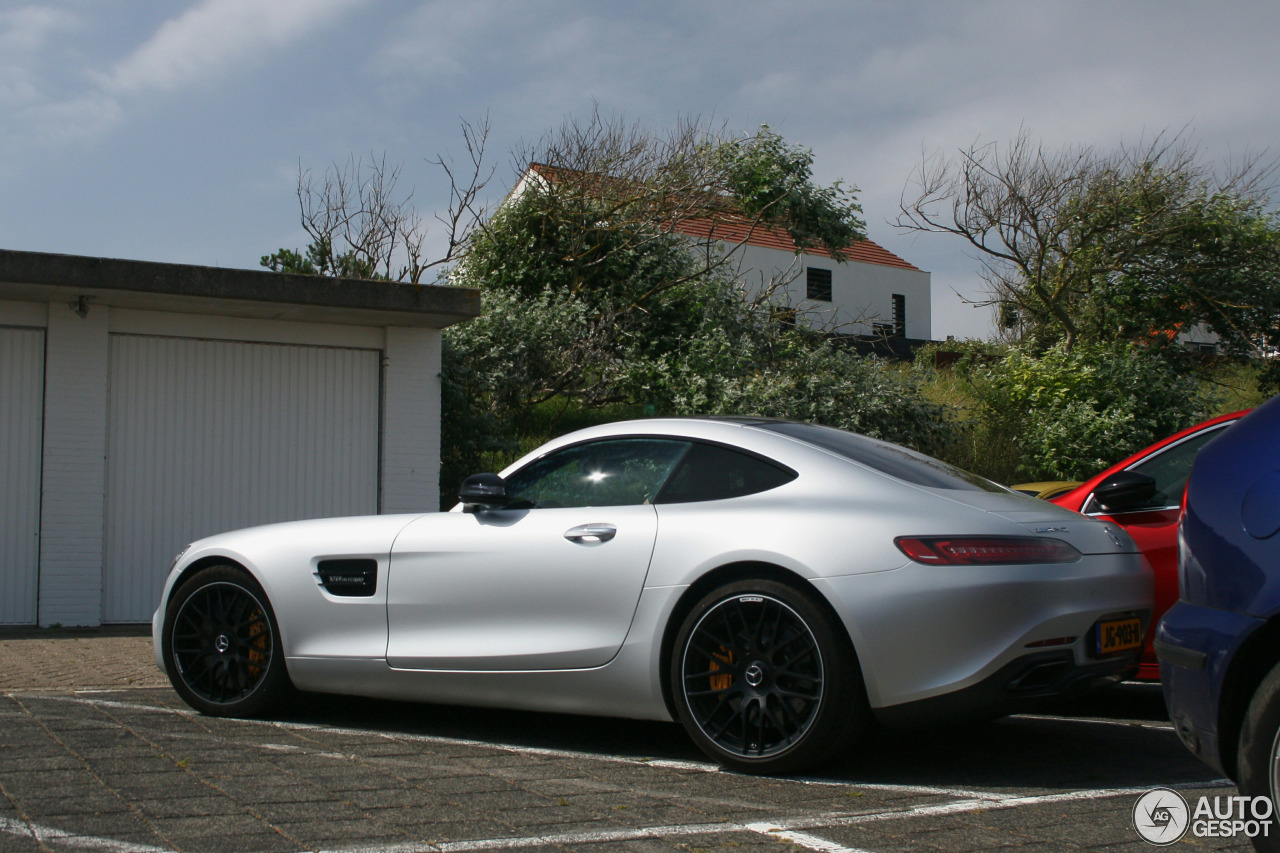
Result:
[763,682]
[221,645]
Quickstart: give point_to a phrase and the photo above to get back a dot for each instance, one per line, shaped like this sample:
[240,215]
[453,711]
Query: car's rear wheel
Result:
[765,679]
[1258,755]
[222,645]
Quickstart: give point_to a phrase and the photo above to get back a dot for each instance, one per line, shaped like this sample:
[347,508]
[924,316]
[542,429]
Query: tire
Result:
[1258,754]
[765,679]
[221,645]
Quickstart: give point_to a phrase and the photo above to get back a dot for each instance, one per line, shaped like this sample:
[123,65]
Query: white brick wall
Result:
[74,476]
[411,418]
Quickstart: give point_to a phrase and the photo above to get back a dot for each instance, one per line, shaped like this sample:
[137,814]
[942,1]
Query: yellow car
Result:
[1047,489]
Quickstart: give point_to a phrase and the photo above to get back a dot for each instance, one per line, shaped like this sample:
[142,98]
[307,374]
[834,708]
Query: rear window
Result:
[898,462]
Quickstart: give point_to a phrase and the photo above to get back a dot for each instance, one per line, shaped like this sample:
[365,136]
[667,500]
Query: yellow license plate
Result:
[1117,635]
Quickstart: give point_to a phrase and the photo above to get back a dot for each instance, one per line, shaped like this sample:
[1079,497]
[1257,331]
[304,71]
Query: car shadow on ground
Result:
[1117,738]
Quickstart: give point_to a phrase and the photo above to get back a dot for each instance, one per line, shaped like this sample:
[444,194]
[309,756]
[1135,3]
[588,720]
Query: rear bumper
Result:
[1196,646]
[924,632]
[1029,683]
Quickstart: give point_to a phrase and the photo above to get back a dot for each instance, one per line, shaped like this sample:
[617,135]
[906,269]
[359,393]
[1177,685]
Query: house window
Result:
[818,284]
[899,315]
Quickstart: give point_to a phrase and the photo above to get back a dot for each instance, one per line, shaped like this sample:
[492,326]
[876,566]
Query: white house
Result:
[872,293]
[144,405]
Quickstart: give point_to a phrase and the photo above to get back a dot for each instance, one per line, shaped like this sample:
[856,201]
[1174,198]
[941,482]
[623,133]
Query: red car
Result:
[1143,494]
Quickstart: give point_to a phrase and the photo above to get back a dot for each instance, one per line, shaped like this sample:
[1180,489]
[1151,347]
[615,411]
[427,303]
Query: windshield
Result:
[899,462]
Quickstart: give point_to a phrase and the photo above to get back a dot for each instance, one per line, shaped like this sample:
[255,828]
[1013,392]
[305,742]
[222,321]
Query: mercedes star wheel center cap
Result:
[754,675]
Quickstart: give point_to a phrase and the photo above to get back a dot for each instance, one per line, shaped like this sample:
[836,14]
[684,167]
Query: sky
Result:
[175,131]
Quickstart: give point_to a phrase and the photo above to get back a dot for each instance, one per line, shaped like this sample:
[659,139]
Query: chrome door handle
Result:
[591,534]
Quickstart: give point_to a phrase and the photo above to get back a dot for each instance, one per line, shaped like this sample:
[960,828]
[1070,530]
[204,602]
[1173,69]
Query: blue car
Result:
[1219,646]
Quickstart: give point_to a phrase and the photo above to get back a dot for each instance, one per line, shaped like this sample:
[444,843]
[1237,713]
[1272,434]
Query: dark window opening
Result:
[818,284]
[899,315]
[710,472]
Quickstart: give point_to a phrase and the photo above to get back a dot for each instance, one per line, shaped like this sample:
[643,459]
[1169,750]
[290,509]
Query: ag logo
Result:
[1161,816]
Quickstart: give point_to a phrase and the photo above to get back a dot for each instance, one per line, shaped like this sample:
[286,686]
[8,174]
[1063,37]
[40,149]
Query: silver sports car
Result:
[774,586]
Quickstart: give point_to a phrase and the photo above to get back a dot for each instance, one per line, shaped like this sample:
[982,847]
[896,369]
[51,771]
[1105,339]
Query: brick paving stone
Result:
[236,842]
[113,823]
[51,802]
[540,817]
[315,812]
[314,836]
[204,806]
[52,658]
[199,826]
[385,797]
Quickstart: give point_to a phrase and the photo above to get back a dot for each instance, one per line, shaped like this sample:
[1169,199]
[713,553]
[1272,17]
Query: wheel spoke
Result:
[692,694]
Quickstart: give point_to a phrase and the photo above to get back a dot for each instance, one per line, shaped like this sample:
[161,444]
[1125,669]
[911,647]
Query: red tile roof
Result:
[737,229]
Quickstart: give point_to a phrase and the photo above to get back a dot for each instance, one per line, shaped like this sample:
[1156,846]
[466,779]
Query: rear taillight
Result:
[985,550]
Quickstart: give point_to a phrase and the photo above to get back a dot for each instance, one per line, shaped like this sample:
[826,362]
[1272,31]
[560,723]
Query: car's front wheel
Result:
[765,680]
[221,645]
[1258,755]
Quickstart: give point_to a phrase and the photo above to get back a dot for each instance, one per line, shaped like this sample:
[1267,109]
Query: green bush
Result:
[1066,415]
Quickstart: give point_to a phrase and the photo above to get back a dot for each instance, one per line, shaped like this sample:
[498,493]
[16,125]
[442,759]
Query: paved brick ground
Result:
[97,753]
[82,658]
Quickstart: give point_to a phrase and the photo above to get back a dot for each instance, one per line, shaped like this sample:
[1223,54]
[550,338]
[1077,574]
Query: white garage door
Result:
[21,422]
[207,436]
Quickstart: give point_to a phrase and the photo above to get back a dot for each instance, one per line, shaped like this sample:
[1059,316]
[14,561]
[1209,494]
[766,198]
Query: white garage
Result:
[145,405]
[22,393]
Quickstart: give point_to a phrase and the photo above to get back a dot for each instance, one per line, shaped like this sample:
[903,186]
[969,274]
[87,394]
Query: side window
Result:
[711,472]
[1170,469]
[817,284]
[615,472]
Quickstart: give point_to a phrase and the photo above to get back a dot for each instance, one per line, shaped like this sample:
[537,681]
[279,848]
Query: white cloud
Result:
[215,37]
[209,41]
[24,34]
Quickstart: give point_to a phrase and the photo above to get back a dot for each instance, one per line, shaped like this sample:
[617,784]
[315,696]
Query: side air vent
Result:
[351,578]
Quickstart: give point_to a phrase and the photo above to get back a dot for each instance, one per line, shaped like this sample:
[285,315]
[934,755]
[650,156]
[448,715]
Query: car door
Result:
[549,582]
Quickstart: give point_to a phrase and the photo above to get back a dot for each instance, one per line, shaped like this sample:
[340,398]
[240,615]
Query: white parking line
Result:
[47,836]
[802,839]
[788,830]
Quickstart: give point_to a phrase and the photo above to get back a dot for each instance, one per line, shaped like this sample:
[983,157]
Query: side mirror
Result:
[482,491]
[1124,491]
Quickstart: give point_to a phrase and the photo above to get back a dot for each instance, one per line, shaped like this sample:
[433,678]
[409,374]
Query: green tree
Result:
[1134,246]
[594,302]
[320,259]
